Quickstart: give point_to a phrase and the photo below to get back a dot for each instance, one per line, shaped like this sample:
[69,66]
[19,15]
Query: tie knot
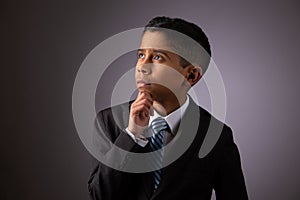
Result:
[159,124]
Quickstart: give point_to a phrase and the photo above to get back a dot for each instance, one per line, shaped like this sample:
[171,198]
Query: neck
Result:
[165,107]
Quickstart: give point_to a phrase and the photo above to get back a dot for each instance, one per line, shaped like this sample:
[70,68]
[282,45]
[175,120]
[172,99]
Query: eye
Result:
[141,55]
[157,57]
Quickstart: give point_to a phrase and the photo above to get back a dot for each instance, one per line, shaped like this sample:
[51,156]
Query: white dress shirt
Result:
[173,120]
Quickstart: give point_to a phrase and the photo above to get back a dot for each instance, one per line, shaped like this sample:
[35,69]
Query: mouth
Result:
[142,83]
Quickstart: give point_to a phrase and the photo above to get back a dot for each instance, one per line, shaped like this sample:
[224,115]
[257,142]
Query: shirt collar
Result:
[173,119]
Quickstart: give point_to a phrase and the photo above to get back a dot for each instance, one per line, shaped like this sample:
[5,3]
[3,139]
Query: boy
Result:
[165,122]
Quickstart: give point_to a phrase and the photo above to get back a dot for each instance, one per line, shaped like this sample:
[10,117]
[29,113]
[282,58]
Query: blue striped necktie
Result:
[159,127]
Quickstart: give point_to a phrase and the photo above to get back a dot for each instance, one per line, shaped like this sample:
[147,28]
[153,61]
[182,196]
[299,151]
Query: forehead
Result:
[155,40]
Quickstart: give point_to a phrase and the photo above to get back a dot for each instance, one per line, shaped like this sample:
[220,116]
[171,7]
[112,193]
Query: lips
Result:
[142,83]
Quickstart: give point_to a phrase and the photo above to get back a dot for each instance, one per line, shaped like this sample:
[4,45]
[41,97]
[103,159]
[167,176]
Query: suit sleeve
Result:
[230,183]
[107,183]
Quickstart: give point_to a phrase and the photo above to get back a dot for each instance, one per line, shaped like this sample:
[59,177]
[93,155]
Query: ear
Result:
[194,74]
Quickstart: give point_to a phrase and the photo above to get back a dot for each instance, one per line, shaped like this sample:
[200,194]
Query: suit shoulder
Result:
[216,130]
[208,116]
[117,108]
[115,116]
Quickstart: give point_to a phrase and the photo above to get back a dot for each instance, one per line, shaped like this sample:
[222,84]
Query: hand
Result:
[140,113]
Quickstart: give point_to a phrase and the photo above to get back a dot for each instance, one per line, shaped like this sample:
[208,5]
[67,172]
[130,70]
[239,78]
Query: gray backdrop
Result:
[255,44]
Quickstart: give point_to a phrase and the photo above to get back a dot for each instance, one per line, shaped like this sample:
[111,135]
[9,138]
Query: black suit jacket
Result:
[188,177]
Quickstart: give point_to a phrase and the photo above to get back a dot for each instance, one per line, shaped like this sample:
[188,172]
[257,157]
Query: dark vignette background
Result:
[255,44]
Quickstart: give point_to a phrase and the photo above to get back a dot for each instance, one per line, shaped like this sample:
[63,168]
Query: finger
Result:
[140,116]
[146,94]
[142,96]
[140,108]
[146,102]
[148,97]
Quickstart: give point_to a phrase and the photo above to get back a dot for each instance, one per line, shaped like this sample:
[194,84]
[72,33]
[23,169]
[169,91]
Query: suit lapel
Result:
[147,184]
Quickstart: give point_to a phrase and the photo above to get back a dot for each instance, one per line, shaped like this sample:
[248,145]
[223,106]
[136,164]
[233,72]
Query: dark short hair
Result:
[189,29]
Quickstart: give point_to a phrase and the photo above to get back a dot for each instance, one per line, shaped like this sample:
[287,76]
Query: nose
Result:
[145,69]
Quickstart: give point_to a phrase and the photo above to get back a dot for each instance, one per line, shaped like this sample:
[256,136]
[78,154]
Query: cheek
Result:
[135,74]
[168,77]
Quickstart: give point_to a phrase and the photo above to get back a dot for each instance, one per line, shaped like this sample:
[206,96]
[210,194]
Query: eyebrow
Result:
[158,51]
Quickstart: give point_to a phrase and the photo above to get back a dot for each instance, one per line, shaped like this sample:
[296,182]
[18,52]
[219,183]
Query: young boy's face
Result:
[158,71]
